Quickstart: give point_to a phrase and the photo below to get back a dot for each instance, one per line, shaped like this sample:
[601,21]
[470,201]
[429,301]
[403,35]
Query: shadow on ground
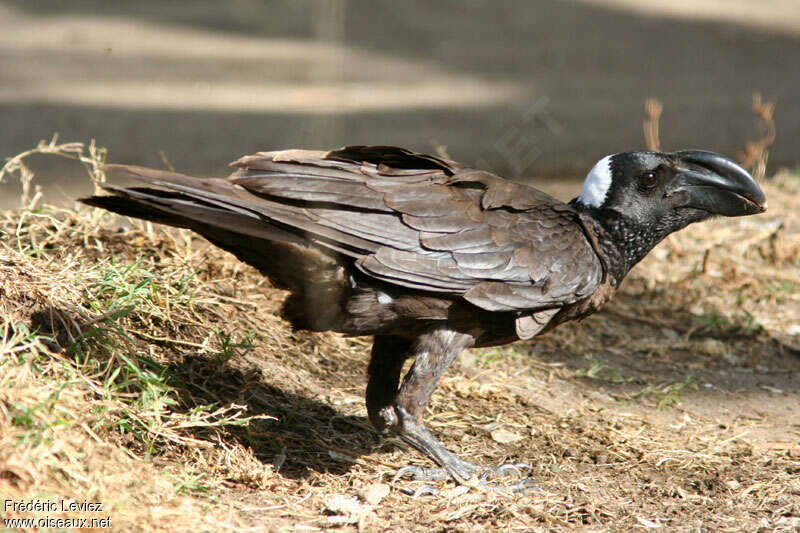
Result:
[305,430]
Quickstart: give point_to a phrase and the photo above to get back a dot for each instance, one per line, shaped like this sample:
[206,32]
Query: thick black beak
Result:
[714,183]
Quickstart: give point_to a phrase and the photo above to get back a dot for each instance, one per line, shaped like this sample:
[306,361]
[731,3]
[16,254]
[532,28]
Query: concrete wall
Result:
[529,88]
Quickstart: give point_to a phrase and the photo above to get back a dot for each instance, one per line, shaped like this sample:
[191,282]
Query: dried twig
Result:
[441,150]
[652,110]
[91,157]
[755,154]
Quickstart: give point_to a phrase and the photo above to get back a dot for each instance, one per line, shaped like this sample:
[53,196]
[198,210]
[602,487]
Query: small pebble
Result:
[373,494]
[731,359]
[732,484]
[343,505]
[225,289]
[712,347]
[503,436]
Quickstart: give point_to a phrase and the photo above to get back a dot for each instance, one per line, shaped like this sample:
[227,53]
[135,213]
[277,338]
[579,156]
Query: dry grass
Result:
[756,152]
[753,156]
[652,114]
[142,368]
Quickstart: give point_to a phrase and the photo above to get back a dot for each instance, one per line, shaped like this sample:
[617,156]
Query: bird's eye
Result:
[648,180]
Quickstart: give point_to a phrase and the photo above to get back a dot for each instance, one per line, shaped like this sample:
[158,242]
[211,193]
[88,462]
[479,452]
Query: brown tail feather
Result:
[316,278]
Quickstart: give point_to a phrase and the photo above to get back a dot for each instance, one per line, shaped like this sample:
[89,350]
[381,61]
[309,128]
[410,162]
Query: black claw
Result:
[510,469]
[425,489]
[521,488]
[401,473]
[525,486]
[418,473]
[506,470]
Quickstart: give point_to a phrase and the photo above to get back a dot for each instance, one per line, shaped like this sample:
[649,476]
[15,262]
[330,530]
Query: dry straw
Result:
[142,368]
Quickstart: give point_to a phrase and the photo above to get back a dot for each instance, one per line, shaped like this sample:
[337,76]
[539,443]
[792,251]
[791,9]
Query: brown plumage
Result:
[427,255]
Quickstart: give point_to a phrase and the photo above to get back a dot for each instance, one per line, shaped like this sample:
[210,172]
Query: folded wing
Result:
[408,219]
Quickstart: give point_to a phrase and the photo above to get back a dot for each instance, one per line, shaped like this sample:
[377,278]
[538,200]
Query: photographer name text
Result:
[52,506]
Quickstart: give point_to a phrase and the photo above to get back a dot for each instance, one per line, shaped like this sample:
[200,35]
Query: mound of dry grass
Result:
[142,368]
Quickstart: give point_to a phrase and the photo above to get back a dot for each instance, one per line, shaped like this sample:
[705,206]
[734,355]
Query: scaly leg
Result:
[400,411]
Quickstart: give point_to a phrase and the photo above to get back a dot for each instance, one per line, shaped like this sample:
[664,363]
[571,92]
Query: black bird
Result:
[432,257]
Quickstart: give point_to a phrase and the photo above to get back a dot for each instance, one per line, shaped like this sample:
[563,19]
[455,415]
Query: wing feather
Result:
[410,219]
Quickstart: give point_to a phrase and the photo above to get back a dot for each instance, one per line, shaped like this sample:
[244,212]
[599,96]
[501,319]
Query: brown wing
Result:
[411,220]
[431,224]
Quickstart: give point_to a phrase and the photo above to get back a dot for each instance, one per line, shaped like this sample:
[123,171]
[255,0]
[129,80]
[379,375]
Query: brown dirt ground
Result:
[675,408]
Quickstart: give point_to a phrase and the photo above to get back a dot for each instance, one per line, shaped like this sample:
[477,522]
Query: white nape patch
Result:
[595,187]
[384,298]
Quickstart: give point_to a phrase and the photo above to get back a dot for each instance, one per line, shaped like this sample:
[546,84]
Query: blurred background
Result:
[536,90]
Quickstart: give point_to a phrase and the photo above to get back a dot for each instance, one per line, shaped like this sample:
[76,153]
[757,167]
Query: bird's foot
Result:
[451,465]
[462,471]
[470,475]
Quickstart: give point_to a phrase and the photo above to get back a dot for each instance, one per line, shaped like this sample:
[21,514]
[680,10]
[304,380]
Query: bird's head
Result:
[646,186]
[642,197]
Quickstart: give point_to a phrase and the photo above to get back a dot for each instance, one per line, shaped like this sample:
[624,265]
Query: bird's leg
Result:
[400,411]
[385,365]
[434,353]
